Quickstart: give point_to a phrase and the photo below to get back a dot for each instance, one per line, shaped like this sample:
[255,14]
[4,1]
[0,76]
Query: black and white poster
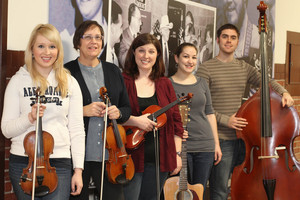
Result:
[171,21]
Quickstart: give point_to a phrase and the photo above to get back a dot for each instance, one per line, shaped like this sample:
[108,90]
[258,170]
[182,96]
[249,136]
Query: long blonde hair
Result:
[61,74]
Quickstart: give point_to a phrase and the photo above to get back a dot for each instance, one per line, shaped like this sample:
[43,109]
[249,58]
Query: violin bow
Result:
[36,139]
[104,142]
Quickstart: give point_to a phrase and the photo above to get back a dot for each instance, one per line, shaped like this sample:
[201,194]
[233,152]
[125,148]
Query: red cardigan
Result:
[165,95]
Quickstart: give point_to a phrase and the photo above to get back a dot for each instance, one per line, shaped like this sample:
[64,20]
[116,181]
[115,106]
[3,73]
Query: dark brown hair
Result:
[228,26]
[180,48]
[131,67]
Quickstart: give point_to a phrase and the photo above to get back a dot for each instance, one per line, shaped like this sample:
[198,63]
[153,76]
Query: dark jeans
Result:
[62,191]
[110,190]
[233,154]
[143,184]
[199,165]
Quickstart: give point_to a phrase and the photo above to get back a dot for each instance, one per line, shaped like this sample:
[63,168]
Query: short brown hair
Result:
[82,28]
[228,26]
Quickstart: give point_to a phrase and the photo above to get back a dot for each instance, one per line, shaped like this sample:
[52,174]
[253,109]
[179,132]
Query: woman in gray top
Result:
[203,149]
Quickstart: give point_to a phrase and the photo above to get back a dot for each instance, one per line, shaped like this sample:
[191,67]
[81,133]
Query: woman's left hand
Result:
[218,154]
[185,135]
[179,166]
[76,182]
[113,112]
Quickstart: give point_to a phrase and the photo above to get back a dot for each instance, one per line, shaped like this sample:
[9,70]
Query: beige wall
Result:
[287,19]
[23,16]
[21,22]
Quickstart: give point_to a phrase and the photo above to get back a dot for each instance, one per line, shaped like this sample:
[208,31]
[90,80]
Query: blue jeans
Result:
[233,154]
[143,184]
[62,191]
[199,165]
[110,190]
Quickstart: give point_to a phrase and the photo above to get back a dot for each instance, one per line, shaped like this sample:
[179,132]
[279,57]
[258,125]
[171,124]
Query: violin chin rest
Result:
[41,190]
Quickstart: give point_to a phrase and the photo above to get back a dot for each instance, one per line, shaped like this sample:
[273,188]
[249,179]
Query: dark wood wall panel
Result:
[292,65]
[279,71]
[15,59]
[3,45]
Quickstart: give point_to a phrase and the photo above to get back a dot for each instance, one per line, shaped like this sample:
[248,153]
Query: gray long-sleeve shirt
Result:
[227,83]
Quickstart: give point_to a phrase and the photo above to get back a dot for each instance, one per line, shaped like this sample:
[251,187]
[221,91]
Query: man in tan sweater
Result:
[227,78]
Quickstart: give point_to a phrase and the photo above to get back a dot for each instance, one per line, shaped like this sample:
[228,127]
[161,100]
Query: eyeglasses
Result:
[98,38]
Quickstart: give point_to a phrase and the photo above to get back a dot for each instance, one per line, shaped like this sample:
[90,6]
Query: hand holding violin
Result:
[97,109]
[32,115]
[113,112]
[142,122]
[94,109]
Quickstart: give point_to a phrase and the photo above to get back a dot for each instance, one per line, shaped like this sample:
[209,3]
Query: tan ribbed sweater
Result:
[227,83]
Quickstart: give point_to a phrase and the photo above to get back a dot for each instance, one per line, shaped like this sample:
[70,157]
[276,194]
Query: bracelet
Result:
[179,153]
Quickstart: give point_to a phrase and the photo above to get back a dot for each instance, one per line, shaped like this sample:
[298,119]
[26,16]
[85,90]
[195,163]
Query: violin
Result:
[120,167]
[270,170]
[38,178]
[136,136]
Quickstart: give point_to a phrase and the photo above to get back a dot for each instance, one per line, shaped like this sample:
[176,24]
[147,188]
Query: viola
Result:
[178,188]
[120,167]
[38,178]
[270,170]
[136,136]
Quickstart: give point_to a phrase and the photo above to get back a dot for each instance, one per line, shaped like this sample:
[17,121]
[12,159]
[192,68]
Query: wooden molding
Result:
[3,47]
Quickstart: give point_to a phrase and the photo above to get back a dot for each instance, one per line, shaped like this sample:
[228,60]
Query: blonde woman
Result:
[62,113]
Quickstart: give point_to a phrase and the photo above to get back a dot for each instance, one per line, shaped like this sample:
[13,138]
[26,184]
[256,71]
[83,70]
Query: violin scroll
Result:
[262,7]
[103,93]
[187,97]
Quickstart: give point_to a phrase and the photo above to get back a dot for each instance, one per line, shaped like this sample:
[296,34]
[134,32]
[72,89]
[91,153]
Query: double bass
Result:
[38,178]
[270,170]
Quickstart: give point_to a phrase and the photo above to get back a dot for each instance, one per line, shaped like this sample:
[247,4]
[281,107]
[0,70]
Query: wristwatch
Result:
[179,153]
[120,116]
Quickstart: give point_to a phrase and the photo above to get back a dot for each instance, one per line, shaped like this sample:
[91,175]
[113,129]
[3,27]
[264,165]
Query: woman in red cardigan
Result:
[146,85]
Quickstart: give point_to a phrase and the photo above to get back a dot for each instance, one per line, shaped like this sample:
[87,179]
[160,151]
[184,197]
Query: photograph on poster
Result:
[173,22]
[66,15]
[194,23]
[244,15]
[136,20]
